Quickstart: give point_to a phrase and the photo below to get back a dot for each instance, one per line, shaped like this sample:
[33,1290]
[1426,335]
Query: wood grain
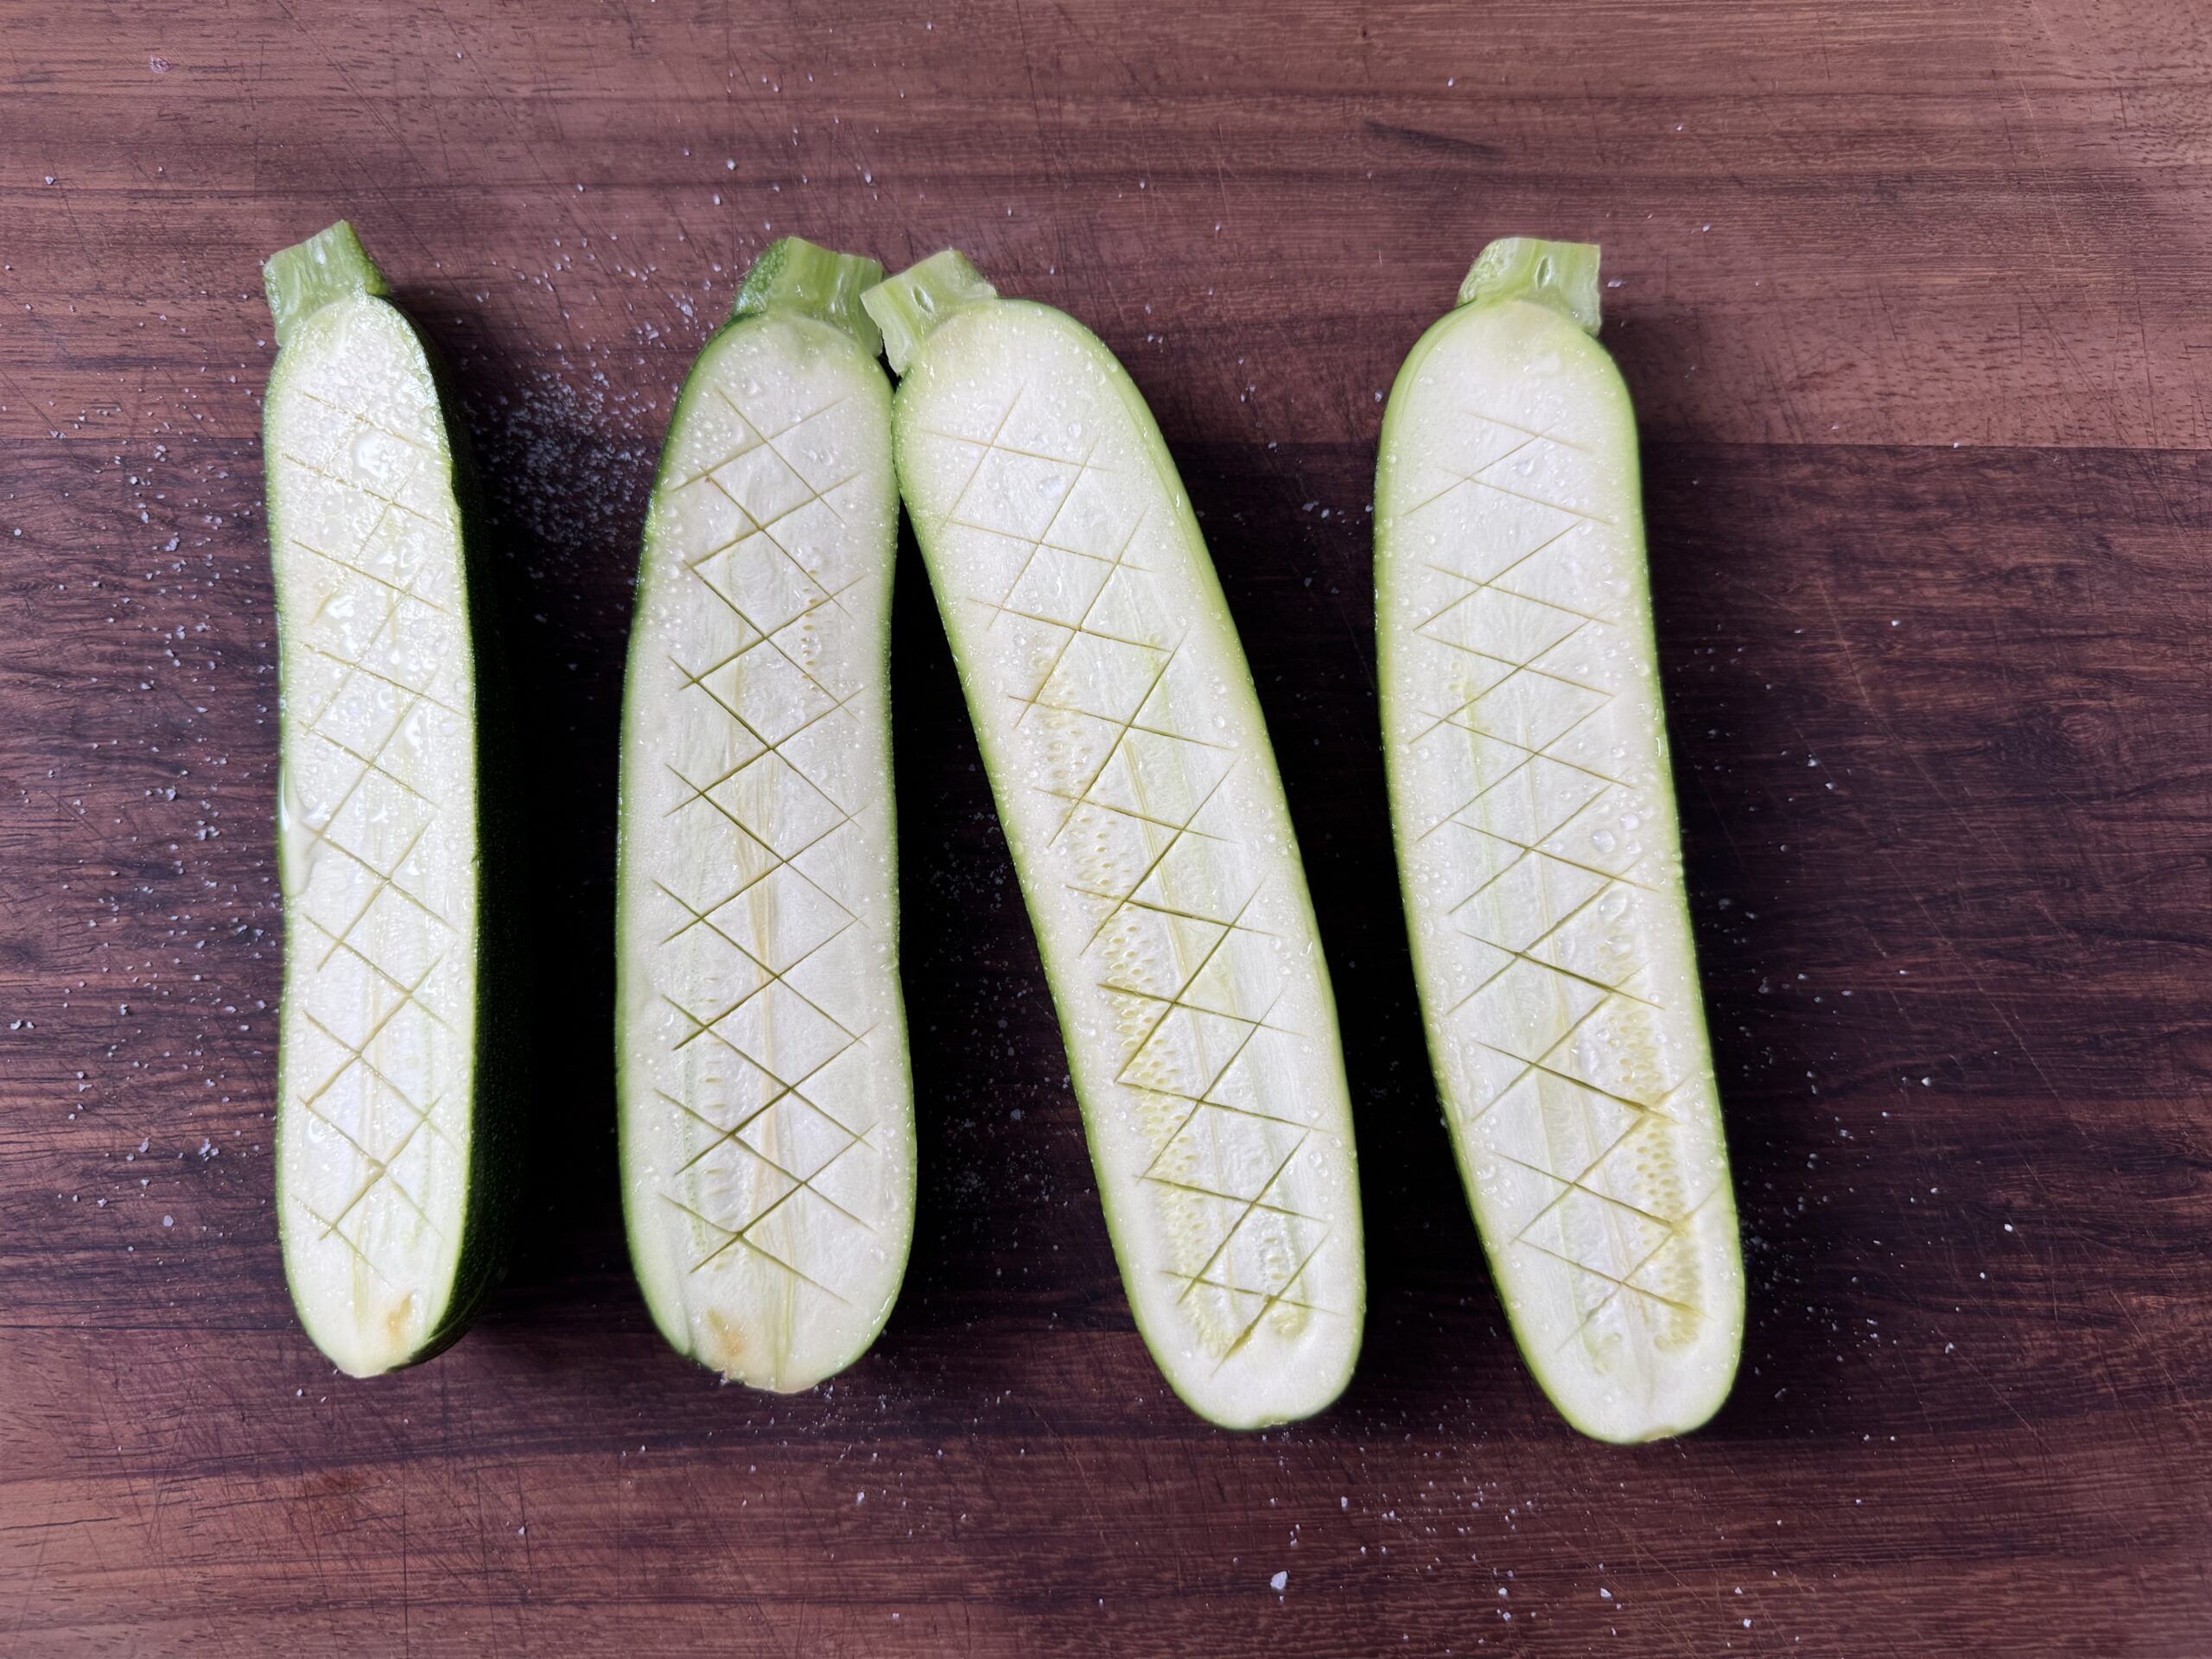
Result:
[1915,301]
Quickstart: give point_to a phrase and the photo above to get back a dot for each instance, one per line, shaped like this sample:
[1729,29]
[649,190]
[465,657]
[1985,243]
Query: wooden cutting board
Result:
[1915,300]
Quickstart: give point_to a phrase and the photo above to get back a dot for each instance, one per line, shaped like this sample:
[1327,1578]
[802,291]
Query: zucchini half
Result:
[387,1173]
[1141,805]
[767,1108]
[1539,852]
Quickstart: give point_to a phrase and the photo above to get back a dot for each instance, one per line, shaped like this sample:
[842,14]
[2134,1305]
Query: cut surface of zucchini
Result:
[1539,850]
[1141,805]
[389,1243]
[767,1108]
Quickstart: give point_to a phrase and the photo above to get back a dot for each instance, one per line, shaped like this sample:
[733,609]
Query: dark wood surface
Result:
[1915,300]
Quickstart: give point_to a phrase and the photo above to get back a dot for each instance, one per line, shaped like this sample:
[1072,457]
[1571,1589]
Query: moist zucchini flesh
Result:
[1142,803]
[767,1108]
[1539,850]
[378,823]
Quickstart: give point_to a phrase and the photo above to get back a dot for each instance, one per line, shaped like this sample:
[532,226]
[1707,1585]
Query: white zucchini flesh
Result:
[1140,802]
[1540,854]
[766,1107]
[377,825]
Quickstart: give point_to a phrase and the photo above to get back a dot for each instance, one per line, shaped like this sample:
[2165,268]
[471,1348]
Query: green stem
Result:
[1561,275]
[919,298]
[332,265]
[794,277]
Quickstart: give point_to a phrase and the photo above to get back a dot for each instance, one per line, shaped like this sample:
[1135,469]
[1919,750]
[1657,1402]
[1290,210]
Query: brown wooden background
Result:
[1916,302]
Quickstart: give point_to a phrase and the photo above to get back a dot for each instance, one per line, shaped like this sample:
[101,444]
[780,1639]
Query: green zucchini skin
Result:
[767,1102]
[1133,775]
[1539,851]
[313,287]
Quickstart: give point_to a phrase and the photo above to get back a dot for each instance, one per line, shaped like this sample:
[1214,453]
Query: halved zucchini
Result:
[1539,852]
[1141,805]
[385,1168]
[767,1119]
